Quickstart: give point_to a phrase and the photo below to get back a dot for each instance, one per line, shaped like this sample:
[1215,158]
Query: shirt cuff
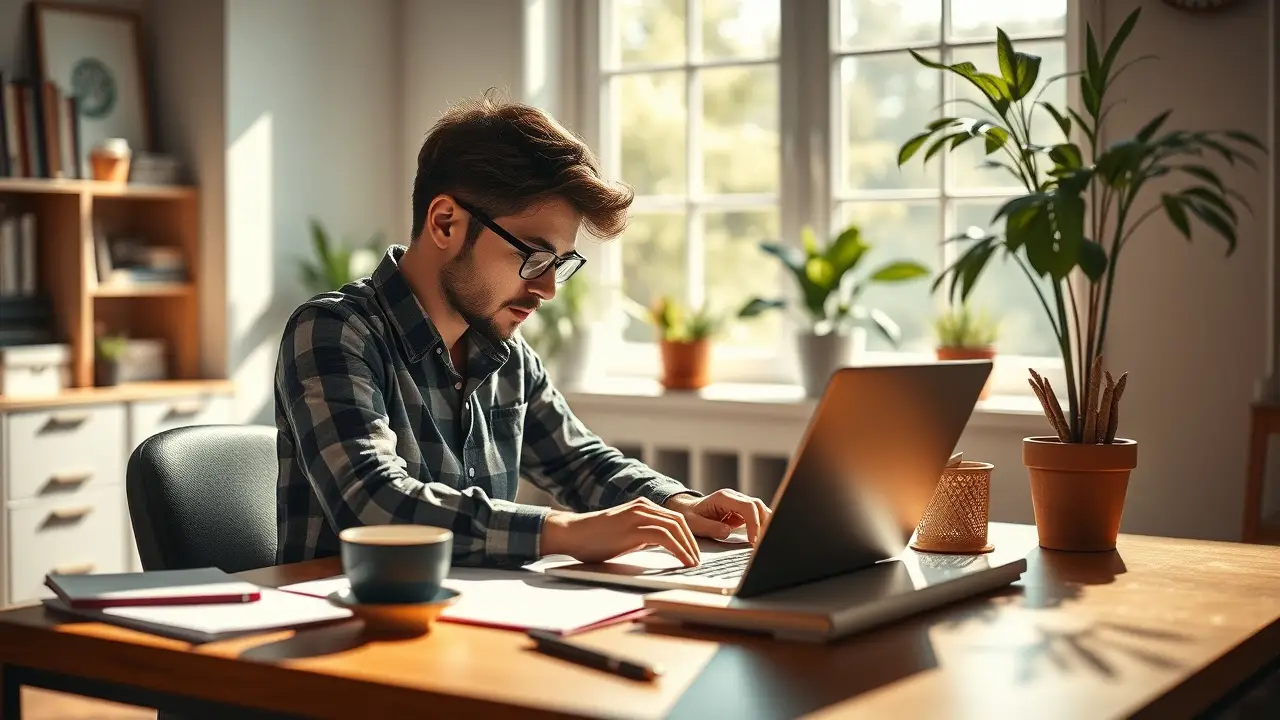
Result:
[660,491]
[515,534]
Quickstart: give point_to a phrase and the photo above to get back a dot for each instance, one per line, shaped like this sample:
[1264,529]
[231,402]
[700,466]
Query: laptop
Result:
[852,495]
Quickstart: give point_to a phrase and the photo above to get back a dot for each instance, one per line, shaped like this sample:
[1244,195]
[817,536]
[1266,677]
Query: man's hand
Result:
[718,514]
[604,534]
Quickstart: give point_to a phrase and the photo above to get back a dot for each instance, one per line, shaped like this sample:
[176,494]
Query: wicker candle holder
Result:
[956,519]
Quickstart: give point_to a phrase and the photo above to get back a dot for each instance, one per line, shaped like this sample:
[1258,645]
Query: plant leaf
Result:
[820,272]
[1005,56]
[1017,204]
[1064,123]
[1028,66]
[792,257]
[1066,155]
[996,138]
[755,306]
[1113,48]
[846,250]
[898,271]
[1093,66]
[937,145]
[1216,223]
[1149,130]
[1068,217]
[1093,260]
[1207,196]
[1084,126]
[808,241]
[1205,174]
[911,146]
[888,329]
[1246,138]
[1177,214]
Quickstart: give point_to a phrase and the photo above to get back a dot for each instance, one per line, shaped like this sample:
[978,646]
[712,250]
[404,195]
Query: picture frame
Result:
[94,54]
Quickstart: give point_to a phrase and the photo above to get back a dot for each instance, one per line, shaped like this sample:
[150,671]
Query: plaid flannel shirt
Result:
[376,426]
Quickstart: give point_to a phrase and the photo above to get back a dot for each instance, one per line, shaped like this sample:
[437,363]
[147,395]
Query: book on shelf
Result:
[39,130]
[17,254]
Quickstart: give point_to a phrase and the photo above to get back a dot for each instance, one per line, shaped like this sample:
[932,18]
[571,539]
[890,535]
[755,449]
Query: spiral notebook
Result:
[156,587]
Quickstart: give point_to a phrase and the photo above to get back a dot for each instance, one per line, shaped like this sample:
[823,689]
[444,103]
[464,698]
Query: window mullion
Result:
[947,210]
[695,262]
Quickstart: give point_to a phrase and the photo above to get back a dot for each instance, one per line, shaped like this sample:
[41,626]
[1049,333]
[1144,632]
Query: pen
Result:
[556,646]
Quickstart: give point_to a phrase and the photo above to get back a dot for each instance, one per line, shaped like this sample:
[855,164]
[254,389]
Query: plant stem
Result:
[1114,255]
[1075,319]
[1057,335]
[1065,346]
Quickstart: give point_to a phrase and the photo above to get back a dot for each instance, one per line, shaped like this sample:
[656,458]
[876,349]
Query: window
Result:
[687,104]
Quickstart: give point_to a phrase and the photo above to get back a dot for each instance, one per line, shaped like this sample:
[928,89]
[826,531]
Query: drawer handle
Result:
[69,418]
[70,478]
[81,569]
[67,514]
[186,409]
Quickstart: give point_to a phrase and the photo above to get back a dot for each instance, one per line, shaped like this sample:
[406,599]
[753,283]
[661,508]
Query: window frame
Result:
[809,182]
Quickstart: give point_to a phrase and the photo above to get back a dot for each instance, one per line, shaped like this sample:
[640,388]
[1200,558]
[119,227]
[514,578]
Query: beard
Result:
[474,303]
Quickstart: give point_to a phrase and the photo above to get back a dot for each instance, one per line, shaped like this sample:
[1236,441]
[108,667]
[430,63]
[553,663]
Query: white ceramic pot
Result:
[821,355]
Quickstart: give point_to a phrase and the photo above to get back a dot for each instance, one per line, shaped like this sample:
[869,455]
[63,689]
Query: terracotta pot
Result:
[963,353]
[685,364]
[1077,491]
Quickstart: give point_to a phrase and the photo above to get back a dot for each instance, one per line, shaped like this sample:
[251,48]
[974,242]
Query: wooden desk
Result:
[1162,628]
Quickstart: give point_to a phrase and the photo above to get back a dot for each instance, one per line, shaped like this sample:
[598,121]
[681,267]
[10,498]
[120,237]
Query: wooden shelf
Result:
[120,393]
[147,290]
[93,188]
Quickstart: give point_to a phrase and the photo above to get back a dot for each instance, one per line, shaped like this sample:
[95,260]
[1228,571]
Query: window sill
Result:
[766,401]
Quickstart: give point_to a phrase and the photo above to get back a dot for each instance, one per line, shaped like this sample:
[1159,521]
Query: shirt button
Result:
[438,351]
[466,406]
[457,386]
[471,472]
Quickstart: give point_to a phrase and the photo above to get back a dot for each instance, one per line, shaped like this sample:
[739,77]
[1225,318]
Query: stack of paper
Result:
[275,610]
[517,600]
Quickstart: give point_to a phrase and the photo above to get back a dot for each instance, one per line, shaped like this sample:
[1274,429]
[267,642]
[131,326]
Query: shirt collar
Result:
[417,332]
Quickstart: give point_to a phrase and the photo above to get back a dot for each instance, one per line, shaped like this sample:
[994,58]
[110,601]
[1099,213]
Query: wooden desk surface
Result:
[1160,628]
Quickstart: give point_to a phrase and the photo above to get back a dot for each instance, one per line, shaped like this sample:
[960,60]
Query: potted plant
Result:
[833,321]
[685,342]
[966,334]
[560,334]
[336,264]
[1080,208]
[110,349]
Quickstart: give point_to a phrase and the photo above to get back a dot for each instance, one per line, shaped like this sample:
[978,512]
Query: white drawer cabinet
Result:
[148,417]
[62,473]
[83,532]
[54,452]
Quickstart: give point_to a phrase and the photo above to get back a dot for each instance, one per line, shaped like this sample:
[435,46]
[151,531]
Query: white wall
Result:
[452,51]
[1187,324]
[312,98]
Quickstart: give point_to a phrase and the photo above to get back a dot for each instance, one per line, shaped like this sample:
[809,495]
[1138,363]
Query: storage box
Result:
[34,370]
[143,360]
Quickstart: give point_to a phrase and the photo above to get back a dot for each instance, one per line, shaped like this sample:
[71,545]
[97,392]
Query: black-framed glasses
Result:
[536,261]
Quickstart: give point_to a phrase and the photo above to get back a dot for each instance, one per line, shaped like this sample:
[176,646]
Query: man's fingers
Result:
[675,524]
[661,536]
[750,514]
[706,527]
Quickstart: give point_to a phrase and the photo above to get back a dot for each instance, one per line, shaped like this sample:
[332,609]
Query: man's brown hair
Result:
[505,157]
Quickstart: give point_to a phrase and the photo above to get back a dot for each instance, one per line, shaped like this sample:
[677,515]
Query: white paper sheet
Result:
[198,623]
[515,599]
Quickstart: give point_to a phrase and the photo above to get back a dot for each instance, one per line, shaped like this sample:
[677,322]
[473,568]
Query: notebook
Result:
[157,587]
[275,610]
[518,600]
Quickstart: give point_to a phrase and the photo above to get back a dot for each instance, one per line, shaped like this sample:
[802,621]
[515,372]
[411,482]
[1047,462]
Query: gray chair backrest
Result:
[205,496]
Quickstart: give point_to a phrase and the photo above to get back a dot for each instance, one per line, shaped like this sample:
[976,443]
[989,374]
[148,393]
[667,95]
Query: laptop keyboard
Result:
[724,567]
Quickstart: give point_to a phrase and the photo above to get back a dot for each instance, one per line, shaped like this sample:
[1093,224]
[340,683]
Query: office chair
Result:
[205,496]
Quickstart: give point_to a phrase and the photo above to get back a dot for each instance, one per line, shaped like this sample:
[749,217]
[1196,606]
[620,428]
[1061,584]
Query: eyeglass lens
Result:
[539,262]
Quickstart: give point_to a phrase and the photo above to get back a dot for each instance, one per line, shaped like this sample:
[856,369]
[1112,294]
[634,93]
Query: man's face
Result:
[482,282]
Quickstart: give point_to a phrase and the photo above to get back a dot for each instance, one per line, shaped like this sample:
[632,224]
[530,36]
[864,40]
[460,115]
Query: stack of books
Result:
[26,321]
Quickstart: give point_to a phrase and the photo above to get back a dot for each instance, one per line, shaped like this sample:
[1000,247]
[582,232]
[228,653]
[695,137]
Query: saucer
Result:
[404,617]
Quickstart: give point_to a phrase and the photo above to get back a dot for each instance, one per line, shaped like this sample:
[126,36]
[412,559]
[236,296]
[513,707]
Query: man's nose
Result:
[544,286]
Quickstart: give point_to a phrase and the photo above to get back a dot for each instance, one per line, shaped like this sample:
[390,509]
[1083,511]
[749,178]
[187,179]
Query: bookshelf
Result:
[68,215]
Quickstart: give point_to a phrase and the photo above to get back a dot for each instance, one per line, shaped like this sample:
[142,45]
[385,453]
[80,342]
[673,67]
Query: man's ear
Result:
[445,224]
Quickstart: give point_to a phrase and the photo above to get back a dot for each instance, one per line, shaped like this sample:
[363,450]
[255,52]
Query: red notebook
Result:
[157,587]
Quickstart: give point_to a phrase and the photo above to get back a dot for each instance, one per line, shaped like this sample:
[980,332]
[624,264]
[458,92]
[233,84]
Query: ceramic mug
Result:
[396,563]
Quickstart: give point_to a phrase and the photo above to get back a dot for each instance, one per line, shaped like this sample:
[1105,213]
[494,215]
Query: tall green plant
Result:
[336,264]
[828,285]
[1081,205]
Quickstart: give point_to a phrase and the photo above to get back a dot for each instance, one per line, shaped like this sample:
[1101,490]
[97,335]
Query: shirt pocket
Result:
[506,422]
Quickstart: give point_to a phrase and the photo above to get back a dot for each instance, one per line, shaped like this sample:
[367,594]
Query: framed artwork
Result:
[94,55]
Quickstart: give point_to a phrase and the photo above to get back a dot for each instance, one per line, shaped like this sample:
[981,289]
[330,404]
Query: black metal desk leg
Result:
[12,701]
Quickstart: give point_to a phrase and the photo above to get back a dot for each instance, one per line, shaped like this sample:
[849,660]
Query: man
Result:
[408,397]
